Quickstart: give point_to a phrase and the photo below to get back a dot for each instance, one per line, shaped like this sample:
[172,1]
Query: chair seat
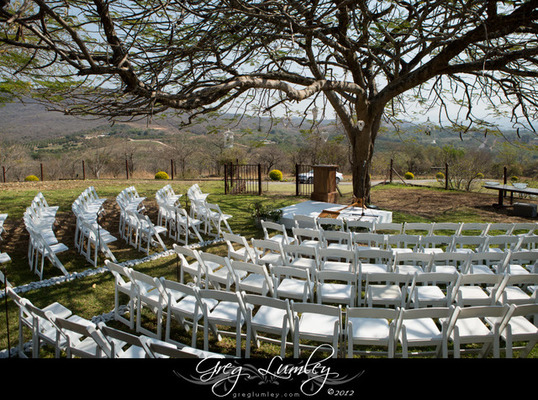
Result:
[337,266]
[224,313]
[470,328]
[370,329]
[422,330]
[269,318]
[385,292]
[336,291]
[293,287]
[317,324]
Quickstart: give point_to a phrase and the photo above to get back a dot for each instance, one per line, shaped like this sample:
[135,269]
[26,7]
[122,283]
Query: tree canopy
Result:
[365,60]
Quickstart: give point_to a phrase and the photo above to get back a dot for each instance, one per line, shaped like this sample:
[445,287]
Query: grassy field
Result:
[94,295]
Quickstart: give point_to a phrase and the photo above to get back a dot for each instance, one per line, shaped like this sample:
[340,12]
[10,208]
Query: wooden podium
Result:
[325,184]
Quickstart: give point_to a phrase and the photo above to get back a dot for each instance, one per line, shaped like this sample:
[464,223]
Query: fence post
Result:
[391,168]
[446,176]
[4,173]
[296,179]
[225,178]
[171,169]
[42,175]
[127,168]
[83,170]
[259,179]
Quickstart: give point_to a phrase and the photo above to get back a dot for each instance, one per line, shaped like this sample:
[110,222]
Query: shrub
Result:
[440,176]
[31,178]
[161,175]
[514,178]
[275,175]
[409,175]
[480,175]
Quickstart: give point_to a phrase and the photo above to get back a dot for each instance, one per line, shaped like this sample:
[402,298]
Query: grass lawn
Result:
[94,295]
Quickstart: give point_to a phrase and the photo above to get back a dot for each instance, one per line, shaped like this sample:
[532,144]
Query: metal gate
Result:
[243,179]
[304,179]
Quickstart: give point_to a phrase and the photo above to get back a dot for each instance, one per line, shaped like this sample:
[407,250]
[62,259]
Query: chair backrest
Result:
[446,228]
[343,238]
[416,228]
[356,225]
[121,274]
[369,239]
[252,268]
[388,227]
[474,228]
[305,221]
[422,260]
[330,224]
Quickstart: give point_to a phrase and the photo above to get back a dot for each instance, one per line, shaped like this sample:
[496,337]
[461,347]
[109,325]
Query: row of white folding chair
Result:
[408,242]
[212,217]
[437,327]
[425,228]
[168,195]
[190,309]
[128,199]
[56,326]
[141,233]
[175,219]
[43,244]
[90,236]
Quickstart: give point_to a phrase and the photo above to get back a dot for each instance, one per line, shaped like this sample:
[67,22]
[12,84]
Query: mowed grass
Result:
[94,295]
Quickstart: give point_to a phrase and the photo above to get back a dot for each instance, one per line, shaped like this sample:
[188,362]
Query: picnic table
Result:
[512,189]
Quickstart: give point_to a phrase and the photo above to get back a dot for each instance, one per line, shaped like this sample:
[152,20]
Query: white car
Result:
[308,177]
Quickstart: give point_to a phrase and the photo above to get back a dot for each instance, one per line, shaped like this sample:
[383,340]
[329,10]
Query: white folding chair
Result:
[431,289]
[501,243]
[476,325]
[387,289]
[489,262]
[83,338]
[403,243]
[307,236]
[293,283]
[319,323]
[522,262]
[369,241]
[183,305]
[342,240]
[374,260]
[124,344]
[449,262]
[26,322]
[369,330]
[217,218]
[500,228]
[468,244]
[270,316]
[267,252]
[230,311]
[252,278]
[238,247]
[94,238]
[149,295]
[218,271]
[336,287]
[337,260]
[190,263]
[527,243]
[277,232]
[518,289]
[186,225]
[524,228]
[424,327]
[409,263]
[435,244]
[476,289]
[520,332]
[149,233]
[298,256]
[123,284]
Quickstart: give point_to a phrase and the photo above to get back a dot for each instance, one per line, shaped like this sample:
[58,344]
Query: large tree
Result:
[364,59]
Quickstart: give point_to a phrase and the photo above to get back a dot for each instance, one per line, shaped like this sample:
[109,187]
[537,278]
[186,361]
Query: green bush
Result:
[31,178]
[161,175]
[514,179]
[276,175]
[409,175]
[440,176]
[480,175]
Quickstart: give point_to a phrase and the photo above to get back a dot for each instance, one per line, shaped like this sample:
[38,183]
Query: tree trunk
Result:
[362,148]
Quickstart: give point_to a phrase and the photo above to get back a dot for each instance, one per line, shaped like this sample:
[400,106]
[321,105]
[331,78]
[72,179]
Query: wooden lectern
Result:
[325,184]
